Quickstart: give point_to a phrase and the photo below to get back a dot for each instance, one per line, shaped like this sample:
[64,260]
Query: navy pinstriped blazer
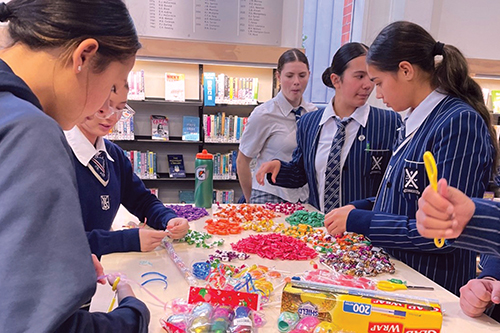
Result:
[364,166]
[460,142]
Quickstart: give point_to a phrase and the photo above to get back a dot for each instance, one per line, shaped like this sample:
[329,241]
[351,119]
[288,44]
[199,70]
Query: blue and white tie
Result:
[333,172]
[98,165]
[298,112]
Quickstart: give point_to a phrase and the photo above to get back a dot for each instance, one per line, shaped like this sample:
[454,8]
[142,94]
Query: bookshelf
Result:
[159,56]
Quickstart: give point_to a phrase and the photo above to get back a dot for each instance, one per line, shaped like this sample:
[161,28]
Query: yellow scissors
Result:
[391,286]
[431,168]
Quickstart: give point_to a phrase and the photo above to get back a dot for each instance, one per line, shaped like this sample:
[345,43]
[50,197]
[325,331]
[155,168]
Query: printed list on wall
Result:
[233,21]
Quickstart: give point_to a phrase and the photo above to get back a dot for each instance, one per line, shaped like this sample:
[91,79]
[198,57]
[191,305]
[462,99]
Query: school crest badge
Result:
[376,165]
[411,181]
[105,205]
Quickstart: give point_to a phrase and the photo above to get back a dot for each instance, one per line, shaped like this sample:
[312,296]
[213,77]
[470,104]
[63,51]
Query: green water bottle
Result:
[204,182]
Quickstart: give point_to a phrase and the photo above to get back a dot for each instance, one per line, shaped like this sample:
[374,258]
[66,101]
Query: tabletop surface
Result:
[134,264]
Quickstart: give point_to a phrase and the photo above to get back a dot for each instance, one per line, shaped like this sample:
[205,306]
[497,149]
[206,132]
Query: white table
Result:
[134,264]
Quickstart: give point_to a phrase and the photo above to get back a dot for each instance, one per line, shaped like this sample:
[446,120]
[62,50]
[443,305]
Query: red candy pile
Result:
[275,246]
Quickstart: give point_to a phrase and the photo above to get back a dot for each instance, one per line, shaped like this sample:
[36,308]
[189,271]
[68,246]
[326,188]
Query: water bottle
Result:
[203,183]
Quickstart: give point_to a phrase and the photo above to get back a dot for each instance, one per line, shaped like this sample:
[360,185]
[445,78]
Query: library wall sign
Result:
[234,21]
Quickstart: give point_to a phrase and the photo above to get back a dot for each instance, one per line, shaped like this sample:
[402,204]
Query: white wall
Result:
[470,25]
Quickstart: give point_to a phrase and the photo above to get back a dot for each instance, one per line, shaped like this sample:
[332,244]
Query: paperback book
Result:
[159,128]
[176,166]
[174,87]
[190,128]
[136,86]
[209,89]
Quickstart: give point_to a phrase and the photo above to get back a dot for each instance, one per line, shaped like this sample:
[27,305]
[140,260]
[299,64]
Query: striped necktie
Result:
[401,133]
[298,112]
[333,172]
[98,165]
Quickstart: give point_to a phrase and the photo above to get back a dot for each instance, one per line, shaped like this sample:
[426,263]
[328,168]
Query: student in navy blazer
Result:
[472,224]
[368,141]
[447,117]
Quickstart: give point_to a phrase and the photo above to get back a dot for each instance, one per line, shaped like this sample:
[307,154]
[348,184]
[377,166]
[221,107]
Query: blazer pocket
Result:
[413,179]
[377,160]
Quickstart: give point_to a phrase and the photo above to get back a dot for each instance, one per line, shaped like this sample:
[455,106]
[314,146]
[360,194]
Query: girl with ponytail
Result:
[447,116]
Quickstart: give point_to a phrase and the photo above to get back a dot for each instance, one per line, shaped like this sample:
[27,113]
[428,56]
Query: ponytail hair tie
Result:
[438,49]
[5,12]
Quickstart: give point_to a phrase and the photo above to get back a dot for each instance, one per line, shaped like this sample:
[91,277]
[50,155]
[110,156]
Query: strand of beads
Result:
[199,239]
[275,246]
[314,219]
[286,208]
[188,212]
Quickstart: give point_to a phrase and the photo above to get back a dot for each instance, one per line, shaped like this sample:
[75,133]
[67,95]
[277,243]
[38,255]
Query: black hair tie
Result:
[438,49]
[5,12]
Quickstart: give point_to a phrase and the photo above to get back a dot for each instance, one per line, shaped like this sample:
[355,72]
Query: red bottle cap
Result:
[204,155]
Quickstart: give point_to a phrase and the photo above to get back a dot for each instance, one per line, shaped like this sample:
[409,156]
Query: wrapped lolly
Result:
[287,321]
[201,315]
[308,323]
[176,323]
[242,322]
[221,318]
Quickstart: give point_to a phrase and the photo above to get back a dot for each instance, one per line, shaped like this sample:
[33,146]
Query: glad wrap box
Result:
[359,310]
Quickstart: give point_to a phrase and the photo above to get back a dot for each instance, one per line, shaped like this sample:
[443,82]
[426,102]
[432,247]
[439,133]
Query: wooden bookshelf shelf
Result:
[144,138]
[153,100]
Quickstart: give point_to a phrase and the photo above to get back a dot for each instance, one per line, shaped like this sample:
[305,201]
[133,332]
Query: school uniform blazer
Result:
[460,142]
[482,233]
[364,166]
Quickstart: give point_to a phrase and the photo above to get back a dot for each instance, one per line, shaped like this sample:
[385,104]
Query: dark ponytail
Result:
[340,60]
[44,24]
[406,41]
[291,56]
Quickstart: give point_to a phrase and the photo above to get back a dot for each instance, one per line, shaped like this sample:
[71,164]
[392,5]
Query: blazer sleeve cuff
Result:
[359,221]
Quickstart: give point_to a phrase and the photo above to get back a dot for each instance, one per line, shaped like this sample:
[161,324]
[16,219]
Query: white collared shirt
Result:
[360,117]
[417,116]
[82,148]
[271,134]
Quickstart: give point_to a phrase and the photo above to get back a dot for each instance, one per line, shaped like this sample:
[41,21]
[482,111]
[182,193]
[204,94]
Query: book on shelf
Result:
[225,165]
[136,90]
[222,128]
[495,100]
[190,128]
[143,163]
[223,196]
[154,191]
[186,196]
[176,166]
[209,89]
[159,128]
[236,90]
[174,87]
[123,129]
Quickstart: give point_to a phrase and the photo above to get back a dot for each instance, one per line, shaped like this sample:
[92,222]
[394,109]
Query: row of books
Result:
[219,128]
[123,130]
[223,196]
[220,196]
[136,90]
[143,163]
[223,89]
[174,86]
[225,165]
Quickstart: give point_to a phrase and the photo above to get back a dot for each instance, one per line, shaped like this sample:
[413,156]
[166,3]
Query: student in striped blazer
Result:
[466,223]
[369,138]
[447,117]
